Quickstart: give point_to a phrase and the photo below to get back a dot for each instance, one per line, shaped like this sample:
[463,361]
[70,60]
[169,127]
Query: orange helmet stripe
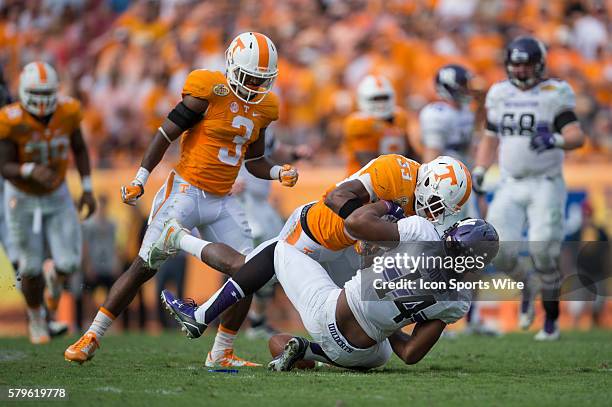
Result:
[42,72]
[468,191]
[264,52]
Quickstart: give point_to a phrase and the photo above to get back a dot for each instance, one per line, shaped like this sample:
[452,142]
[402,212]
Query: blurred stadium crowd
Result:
[138,53]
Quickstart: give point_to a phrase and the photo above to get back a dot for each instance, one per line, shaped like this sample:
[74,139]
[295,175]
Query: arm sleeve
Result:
[563,107]
[491,106]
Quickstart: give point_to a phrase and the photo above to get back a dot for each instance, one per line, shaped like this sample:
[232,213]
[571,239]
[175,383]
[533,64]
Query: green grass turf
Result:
[468,371]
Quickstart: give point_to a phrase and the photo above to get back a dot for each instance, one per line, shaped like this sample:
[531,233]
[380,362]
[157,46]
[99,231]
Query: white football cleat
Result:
[526,318]
[39,333]
[545,336]
[167,244]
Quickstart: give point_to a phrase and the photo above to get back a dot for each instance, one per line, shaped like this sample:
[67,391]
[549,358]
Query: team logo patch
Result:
[401,201]
[548,87]
[234,107]
[220,90]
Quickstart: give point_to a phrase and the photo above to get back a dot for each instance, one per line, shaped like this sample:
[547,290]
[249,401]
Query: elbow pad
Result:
[184,117]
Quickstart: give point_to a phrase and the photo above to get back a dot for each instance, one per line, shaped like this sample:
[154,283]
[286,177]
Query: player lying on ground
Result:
[36,135]
[347,331]
[433,190]
[223,119]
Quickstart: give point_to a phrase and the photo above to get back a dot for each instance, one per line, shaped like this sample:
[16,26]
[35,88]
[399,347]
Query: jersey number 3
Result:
[224,153]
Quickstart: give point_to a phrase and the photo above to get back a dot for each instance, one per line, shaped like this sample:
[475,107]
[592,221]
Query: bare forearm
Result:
[573,137]
[365,223]
[11,171]
[485,155]
[260,168]
[155,152]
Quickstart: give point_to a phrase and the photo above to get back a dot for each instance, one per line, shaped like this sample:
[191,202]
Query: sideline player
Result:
[531,118]
[440,188]
[223,118]
[447,127]
[379,127]
[36,135]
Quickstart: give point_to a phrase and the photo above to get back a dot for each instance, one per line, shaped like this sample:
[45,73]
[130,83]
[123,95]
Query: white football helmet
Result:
[376,97]
[38,85]
[251,63]
[443,187]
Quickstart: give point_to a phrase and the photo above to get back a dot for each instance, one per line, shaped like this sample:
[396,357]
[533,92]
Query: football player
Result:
[531,118]
[379,127]
[447,127]
[433,190]
[223,119]
[36,135]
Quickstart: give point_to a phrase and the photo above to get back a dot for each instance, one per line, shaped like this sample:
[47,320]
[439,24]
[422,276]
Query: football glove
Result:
[543,139]
[131,193]
[478,174]
[288,175]
[394,210]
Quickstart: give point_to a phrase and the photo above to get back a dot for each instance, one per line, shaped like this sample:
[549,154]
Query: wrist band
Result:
[559,140]
[142,175]
[86,183]
[26,169]
[275,172]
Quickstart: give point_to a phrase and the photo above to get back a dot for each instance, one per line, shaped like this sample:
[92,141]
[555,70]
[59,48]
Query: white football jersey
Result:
[514,115]
[378,314]
[448,129]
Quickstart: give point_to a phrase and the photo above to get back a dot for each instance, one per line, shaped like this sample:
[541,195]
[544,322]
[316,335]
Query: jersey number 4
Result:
[224,153]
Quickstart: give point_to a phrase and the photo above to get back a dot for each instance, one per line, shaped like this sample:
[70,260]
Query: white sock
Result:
[36,313]
[193,245]
[101,322]
[223,341]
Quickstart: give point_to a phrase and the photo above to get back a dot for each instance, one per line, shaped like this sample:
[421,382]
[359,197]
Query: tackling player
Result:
[379,127]
[531,117]
[36,135]
[223,119]
[319,230]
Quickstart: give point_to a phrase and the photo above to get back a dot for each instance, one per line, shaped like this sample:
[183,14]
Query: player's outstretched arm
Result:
[258,165]
[184,116]
[365,223]
[412,348]
[81,159]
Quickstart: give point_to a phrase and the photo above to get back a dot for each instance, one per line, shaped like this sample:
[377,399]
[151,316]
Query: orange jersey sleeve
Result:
[39,143]
[391,177]
[213,150]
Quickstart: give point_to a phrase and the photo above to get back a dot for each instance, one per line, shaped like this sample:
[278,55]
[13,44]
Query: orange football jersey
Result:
[390,177]
[364,133]
[39,143]
[212,151]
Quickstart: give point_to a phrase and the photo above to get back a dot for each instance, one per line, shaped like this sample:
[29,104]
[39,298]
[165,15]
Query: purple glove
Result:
[543,139]
[394,210]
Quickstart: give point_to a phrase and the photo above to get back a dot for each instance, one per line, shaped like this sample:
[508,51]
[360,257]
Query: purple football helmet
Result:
[471,237]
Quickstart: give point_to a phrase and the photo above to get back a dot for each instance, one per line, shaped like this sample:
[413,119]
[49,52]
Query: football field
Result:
[168,370]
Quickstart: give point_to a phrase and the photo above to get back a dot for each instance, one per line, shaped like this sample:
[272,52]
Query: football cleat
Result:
[84,349]
[294,351]
[184,312]
[167,244]
[228,360]
[526,315]
[57,328]
[543,335]
[39,333]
